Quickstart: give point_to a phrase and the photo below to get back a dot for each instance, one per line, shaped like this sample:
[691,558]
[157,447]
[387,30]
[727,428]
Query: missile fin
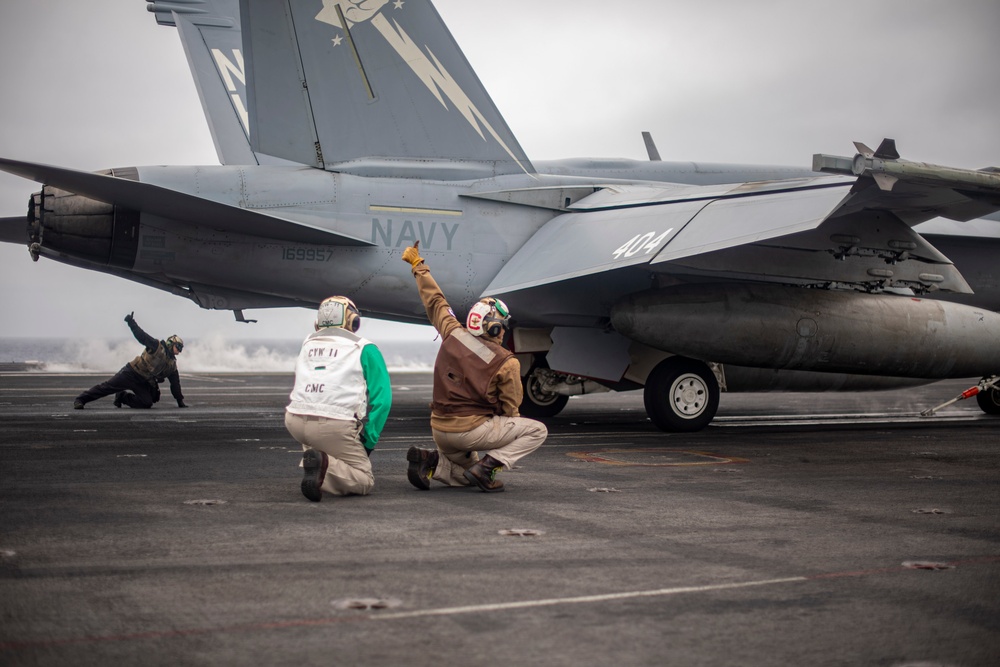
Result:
[864,150]
[885,181]
[887,150]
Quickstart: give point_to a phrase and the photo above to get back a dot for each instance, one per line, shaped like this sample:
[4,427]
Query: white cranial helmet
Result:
[338,311]
[488,317]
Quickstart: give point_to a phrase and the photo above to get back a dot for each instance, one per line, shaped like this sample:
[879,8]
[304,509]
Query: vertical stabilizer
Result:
[210,33]
[331,81]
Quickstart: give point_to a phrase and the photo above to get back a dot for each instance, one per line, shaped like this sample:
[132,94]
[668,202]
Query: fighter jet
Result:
[347,131]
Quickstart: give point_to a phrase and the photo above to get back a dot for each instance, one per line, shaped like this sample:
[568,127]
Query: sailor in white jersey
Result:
[339,404]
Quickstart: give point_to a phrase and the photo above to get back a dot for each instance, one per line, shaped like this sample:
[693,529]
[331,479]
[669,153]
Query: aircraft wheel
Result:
[989,401]
[537,402]
[681,395]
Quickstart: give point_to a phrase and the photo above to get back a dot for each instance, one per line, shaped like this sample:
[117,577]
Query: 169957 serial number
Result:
[307,254]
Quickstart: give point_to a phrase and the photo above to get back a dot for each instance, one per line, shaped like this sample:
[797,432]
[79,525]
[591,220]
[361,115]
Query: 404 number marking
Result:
[648,242]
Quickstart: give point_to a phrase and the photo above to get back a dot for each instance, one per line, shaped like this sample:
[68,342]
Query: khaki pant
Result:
[350,471]
[507,439]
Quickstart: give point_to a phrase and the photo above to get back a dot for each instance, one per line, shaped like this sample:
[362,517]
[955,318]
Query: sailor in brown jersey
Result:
[477,391]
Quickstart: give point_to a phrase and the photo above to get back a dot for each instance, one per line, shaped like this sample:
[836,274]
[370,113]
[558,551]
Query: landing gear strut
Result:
[681,395]
[538,401]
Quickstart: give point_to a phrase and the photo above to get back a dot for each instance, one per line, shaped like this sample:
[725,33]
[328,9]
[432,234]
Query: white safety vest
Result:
[329,379]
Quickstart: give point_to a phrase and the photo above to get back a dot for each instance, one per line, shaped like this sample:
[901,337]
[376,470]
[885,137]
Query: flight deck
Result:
[828,529]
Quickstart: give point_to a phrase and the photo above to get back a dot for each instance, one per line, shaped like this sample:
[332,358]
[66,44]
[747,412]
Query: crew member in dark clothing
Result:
[137,383]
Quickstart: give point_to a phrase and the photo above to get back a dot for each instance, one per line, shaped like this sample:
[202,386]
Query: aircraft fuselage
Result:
[467,240]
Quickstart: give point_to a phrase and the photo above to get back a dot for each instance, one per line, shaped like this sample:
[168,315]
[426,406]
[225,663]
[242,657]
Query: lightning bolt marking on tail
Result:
[437,79]
[432,74]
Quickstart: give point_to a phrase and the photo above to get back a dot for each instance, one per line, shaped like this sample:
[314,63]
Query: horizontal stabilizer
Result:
[175,205]
[14,230]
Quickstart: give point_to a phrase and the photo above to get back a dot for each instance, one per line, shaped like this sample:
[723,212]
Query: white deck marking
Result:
[584,599]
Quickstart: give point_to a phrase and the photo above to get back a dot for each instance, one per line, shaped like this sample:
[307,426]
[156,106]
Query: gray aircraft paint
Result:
[372,56]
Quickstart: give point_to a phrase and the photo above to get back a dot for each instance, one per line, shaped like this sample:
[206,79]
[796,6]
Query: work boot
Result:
[314,464]
[423,462]
[484,474]
[118,399]
[78,404]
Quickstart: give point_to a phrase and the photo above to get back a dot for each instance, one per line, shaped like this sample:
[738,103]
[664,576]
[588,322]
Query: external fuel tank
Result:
[795,328]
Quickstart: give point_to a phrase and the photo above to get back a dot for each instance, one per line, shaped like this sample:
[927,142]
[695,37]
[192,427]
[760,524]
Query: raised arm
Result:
[148,341]
[439,313]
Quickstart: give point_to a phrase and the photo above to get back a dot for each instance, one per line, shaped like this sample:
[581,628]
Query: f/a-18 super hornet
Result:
[349,130]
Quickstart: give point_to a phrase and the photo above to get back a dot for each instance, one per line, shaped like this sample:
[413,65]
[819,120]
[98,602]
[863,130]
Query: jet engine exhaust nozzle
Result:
[71,225]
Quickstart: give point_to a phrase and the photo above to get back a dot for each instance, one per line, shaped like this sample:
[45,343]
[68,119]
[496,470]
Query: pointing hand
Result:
[412,255]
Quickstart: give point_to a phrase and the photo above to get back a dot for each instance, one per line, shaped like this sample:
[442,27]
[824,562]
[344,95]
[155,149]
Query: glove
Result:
[128,318]
[181,404]
[411,255]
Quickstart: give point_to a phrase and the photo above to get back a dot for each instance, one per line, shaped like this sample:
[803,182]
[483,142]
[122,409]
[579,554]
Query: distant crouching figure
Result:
[137,383]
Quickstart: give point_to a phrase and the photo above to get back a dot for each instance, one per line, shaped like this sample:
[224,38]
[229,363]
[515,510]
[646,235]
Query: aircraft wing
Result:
[171,204]
[813,232]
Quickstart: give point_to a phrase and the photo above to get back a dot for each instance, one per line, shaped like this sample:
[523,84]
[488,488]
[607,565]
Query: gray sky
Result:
[97,83]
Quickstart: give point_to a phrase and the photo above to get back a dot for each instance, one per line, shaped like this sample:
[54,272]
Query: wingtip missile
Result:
[886,168]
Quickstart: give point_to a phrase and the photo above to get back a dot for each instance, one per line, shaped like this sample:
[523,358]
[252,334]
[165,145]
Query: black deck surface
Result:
[796,530]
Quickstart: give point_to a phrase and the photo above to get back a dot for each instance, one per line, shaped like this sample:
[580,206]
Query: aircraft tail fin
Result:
[651,151]
[212,40]
[378,79]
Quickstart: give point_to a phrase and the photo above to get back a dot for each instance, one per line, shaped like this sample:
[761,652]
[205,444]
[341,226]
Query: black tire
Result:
[989,401]
[537,403]
[681,395]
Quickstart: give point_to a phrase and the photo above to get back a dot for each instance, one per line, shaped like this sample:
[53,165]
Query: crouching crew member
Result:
[339,403]
[137,383]
[477,391]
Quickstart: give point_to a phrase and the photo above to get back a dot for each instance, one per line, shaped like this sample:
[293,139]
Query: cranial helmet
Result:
[175,340]
[338,311]
[490,316]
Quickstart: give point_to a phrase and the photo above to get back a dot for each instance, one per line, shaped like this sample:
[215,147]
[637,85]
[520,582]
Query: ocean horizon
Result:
[209,354]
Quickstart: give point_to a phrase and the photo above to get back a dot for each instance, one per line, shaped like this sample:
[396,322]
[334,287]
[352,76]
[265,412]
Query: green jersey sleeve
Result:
[379,395]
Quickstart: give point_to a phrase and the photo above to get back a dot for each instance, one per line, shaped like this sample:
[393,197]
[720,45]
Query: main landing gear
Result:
[681,395]
[540,401]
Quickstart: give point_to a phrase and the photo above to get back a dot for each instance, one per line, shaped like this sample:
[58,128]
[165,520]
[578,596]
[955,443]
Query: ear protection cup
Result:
[353,319]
